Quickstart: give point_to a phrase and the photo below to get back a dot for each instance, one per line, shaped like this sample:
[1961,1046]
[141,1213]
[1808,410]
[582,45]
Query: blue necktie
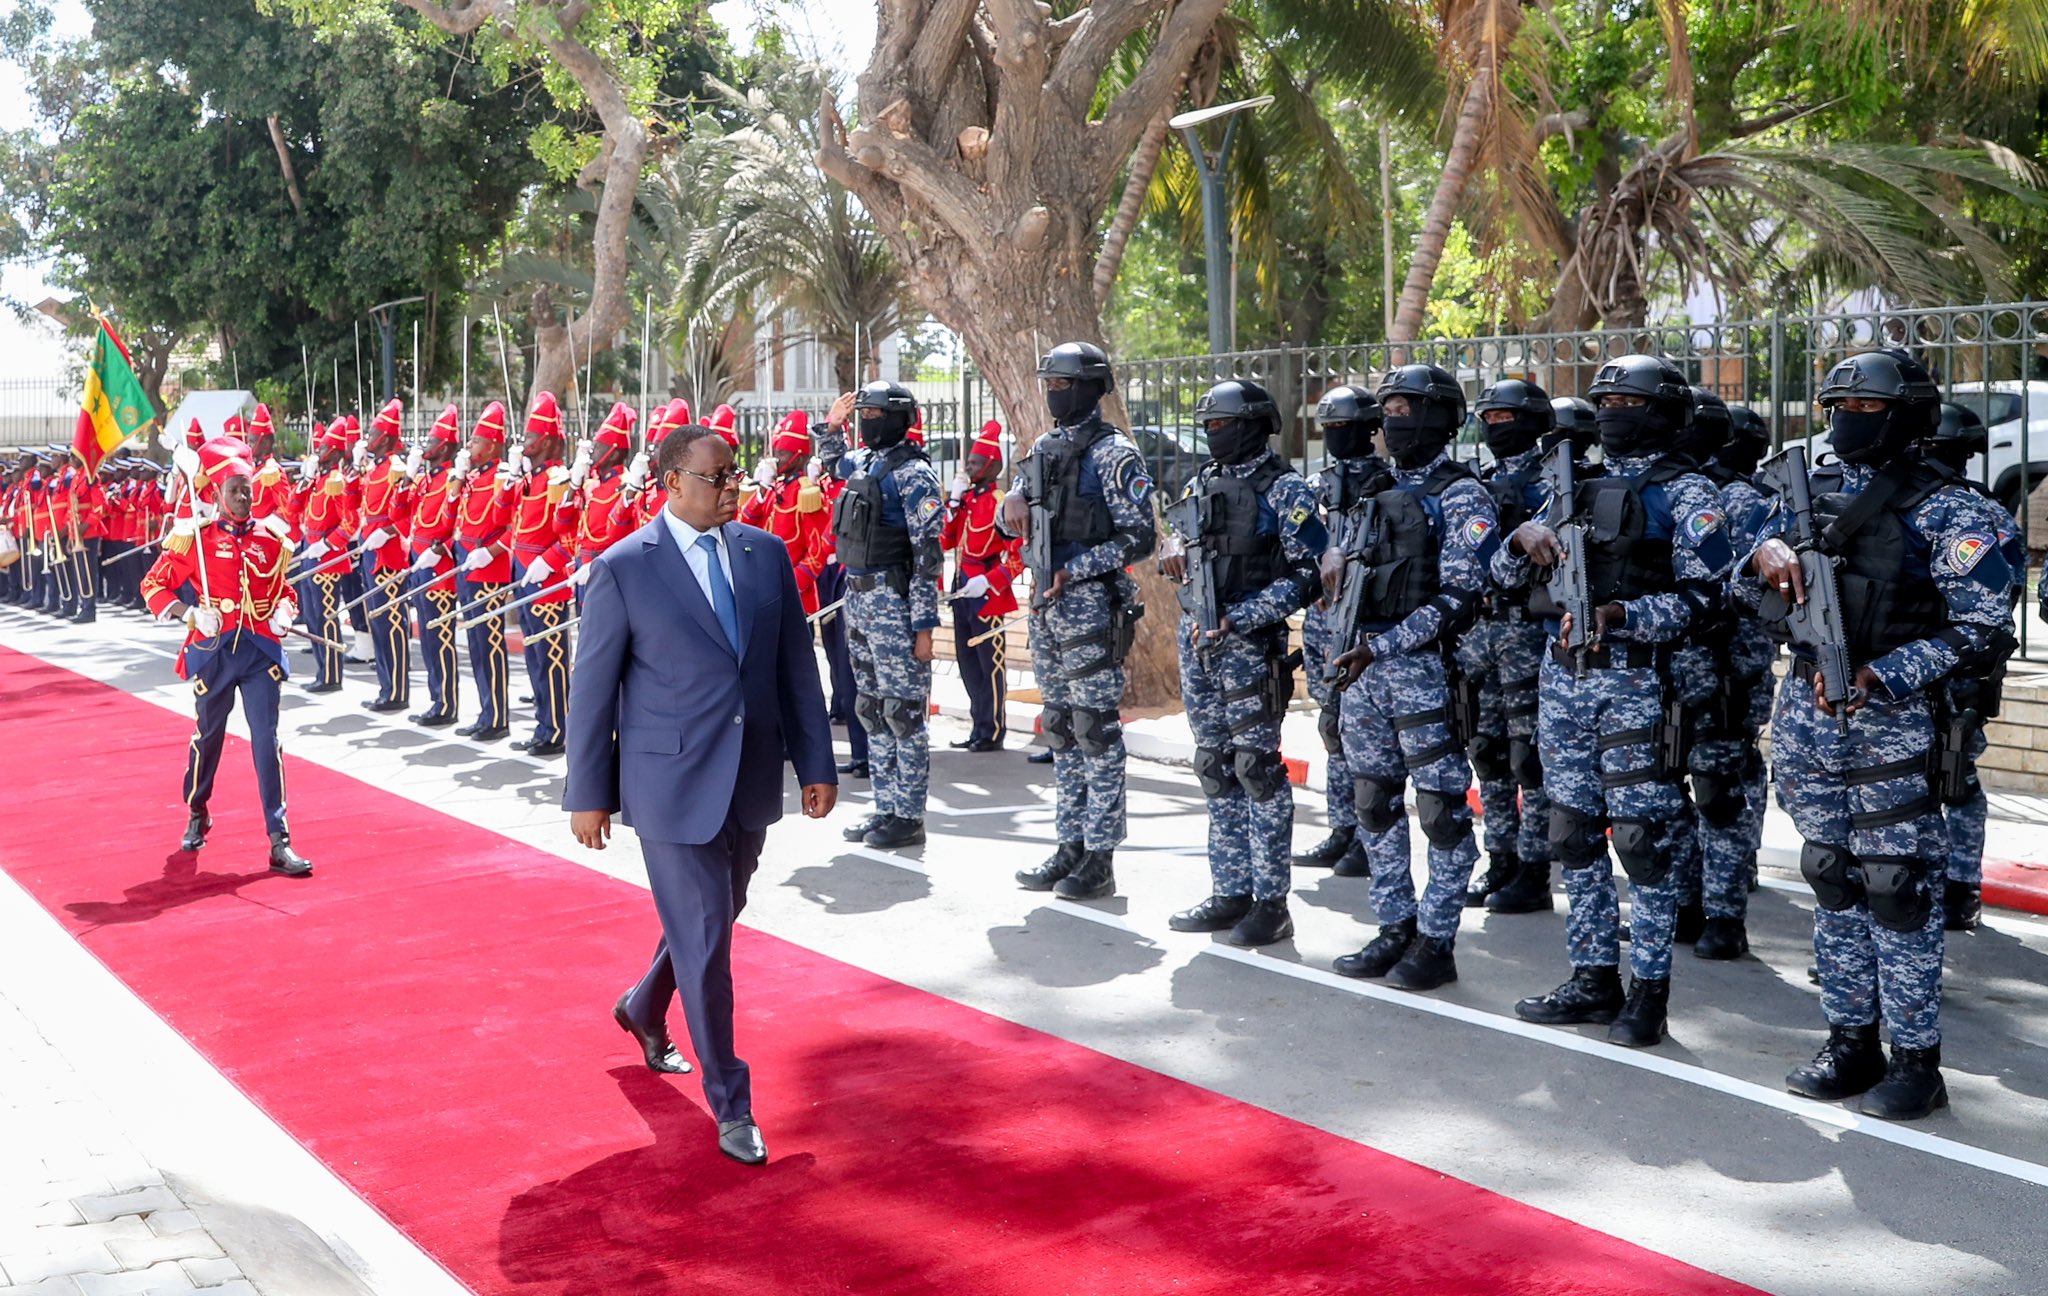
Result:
[721,592]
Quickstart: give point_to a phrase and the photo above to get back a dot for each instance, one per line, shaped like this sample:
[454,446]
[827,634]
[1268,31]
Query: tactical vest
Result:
[1346,482]
[1239,532]
[1403,554]
[1083,520]
[1511,492]
[868,521]
[1885,575]
[1628,546]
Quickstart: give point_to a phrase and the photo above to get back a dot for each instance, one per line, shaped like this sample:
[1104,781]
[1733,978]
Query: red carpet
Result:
[430,1015]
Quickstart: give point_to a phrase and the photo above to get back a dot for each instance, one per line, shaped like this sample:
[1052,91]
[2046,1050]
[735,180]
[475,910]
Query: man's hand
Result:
[636,474]
[1537,542]
[1015,515]
[429,559]
[1608,616]
[579,576]
[376,539]
[921,646]
[764,472]
[283,617]
[1350,665]
[1208,638]
[313,552]
[972,587]
[819,798]
[1778,568]
[1058,586]
[957,491]
[537,572]
[841,408]
[478,559]
[204,620]
[592,827]
[1859,691]
[1331,565]
[1173,559]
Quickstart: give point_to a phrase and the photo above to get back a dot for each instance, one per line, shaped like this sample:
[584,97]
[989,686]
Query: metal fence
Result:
[38,411]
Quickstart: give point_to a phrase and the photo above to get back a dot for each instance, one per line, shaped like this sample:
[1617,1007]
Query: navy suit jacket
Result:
[667,724]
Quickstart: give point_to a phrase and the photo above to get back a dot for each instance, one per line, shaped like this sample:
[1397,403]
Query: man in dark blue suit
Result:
[694,682]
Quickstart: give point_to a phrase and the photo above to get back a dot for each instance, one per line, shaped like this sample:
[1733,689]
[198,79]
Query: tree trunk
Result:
[1443,209]
[1144,162]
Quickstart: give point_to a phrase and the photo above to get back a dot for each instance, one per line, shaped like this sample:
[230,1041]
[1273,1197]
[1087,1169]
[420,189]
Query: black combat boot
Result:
[196,829]
[895,831]
[1962,905]
[1217,913]
[1528,893]
[1380,954]
[1641,1023]
[1592,995]
[1265,922]
[1064,861]
[1093,879]
[1691,921]
[1327,851]
[1501,868]
[1723,938]
[1912,1086]
[855,831]
[285,860]
[1848,1064]
[1427,965]
[1354,862]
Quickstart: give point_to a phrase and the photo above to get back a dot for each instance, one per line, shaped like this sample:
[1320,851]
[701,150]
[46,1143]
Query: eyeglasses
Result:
[719,480]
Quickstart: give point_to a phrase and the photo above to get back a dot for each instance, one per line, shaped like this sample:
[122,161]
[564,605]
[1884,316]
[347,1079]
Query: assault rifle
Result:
[1361,532]
[1816,627]
[1198,589]
[1569,581]
[1041,485]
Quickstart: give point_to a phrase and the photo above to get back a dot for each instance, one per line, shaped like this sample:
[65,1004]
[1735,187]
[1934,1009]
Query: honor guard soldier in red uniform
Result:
[327,520]
[985,565]
[386,512]
[483,527]
[273,507]
[725,421]
[88,529]
[638,505]
[592,511]
[436,497]
[789,505]
[540,557]
[232,643]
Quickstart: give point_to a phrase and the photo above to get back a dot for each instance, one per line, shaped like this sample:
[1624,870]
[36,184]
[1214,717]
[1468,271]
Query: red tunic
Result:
[329,512]
[483,516]
[793,510]
[433,515]
[537,530]
[984,551]
[596,515]
[244,578]
[387,505]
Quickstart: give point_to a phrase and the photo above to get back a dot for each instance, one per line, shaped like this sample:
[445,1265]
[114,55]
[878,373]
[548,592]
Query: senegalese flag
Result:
[115,406]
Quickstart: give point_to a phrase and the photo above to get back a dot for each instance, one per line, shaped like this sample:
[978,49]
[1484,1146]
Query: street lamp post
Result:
[385,313]
[1210,168]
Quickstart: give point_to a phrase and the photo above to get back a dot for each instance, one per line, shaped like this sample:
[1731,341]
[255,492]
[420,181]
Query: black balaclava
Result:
[1075,403]
[1415,439]
[1347,440]
[1861,438]
[884,430]
[1515,437]
[1238,440]
[1627,430]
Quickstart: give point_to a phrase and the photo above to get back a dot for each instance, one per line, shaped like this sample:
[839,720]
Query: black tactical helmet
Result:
[1888,376]
[1349,405]
[1711,414]
[1745,424]
[1077,360]
[1426,382]
[1961,432]
[894,398]
[1239,398]
[1518,395]
[1574,416]
[1655,380]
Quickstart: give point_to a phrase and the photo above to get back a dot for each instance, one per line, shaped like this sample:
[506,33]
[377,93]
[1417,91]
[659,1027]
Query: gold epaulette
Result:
[177,542]
[333,485]
[271,474]
[809,499]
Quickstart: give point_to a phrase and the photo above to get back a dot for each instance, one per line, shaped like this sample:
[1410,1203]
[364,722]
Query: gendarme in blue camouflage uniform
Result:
[887,524]
[1925,593]
[1086,482]
[1656,552]
[1248,523]
[1417,550]
[1502,654]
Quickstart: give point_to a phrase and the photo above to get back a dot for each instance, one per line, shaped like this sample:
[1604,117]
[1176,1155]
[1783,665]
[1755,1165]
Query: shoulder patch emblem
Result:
[1477,530]
[929,507]
[1299,516]
[1967,550]
[1703,524]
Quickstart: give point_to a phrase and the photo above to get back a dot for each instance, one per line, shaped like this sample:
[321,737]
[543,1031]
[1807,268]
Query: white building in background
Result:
[794,370]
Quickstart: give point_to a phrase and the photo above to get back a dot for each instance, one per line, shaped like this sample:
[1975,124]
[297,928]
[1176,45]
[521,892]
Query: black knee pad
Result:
[1576,840]
[1526,760]
[1096,732]
[1379,804]
[1444,816]
[1489,753]
[1897,891]
[1059,728]
[1215,771]
[1635,845]
[1261,772]
[1718,798]
[1831,872]
[1330,728]
[867,708]
[905,715]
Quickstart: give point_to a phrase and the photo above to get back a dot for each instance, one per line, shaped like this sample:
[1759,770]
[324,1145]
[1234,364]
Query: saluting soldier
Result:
[232,644]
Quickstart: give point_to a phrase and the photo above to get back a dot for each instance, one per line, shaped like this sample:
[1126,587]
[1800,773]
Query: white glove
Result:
[186,459]
[478,559]
[537,572]
[376,539]
[581,468]
[525,465]
[314,551]
[579,576]
[205,620]
[460,468]
[636,472]
[185,528]
[815,469]
[306,469]
[283,617]
[427,561]
[361,454]
[972,587]
[414,460]
[276,525]
[961,484]
[764,472]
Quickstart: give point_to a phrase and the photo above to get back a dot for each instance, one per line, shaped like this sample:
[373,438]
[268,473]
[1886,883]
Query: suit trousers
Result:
[699,892]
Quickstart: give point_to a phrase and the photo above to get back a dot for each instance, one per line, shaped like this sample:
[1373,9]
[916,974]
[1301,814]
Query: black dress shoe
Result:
[1962,905]
[526,699]
[1912,1086]
[430,720]
[285,860]
[1093,879]
[855,769]
[655,1047]
[1723,939]
[551,748]
[895,831]
[385,706]
[1265,922]
[1592,995]
[984,745]
[1427,965]
[1501,867]
[1327,851]
[1380,953]
[195,831]
[855,831]
[741,1140]
[1043,756]
[963,744]
[1065,859]
[1640,1023]
[522,744]
[1850,1063]
[1217,913]
[490,735]
[334,687]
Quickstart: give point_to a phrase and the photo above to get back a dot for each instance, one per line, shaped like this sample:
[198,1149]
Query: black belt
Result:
[897,580]
[1612,657]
